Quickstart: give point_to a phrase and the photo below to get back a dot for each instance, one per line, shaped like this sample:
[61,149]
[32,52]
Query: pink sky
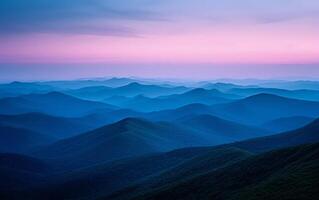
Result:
[161,33]
[235,44]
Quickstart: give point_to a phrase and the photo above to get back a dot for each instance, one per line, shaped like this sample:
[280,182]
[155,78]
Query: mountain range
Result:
[53,103]
[130,138]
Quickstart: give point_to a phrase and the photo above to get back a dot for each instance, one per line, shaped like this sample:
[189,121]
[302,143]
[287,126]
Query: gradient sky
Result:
[159,38]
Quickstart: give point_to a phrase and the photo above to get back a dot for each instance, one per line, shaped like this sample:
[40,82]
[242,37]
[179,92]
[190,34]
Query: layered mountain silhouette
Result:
[133,89]
[110,177]
[220,130]
[310,95]
[146,104]
[184,111]
[58,127]
[265,107]
[304,135]
[53,103]
[287,123]
[129,138]
[21,88]
[284,174]
[126,138]
[153,173]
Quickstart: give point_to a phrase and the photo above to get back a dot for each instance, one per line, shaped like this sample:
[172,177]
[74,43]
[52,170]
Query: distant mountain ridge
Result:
[199,95]
[58,127]
[53,103]
[223,131]
[126,138]
[265,107]
[101,93]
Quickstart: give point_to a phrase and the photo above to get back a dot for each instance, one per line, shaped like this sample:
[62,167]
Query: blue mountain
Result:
[287,123]
[126,138]
[18,140]
[261,108]
[303,135]
[100,93]
[310,95]
[220,130]
[53,103]
[20,88]
[58,127]
[146,104]
[283,174]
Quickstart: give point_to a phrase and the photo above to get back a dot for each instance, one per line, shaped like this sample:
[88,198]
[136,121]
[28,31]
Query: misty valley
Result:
[130,138]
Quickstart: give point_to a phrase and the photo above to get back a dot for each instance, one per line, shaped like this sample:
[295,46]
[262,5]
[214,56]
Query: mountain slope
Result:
[208,97]
[134,89]
[309,95]
[109,177]
[126,138]
[185,111]
[20,140]
[220,130]
[265,107]
[284,174]
[59,127]
[100,93]
[19,88]
[287,123]
[53,103]
[304,135]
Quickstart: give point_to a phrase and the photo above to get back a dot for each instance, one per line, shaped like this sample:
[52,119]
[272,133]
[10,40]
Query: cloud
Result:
[119,17]
[93,17]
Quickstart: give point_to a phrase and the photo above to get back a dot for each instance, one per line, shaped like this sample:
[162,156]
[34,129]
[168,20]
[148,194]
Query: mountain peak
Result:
[134,84]
[264,96]
[131,119]
[198,91]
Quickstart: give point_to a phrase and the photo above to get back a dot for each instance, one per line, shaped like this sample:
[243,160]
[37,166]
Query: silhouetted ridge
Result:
[197,91]
[304,135]
[265,97]
[127,124]
[134,84]
[126,138]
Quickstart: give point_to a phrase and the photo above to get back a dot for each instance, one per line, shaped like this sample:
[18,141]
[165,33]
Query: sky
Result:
[62,39]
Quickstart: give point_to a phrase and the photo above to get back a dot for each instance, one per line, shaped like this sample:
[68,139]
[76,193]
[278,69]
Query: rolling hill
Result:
[304,135]
[107,178]
[148,176]
[126,138]
[22,88]
[287,123]
[100,93]
[309,95]
[58,127]
[265,107]
[202,96]
[222,131]
[53,103]
[283,174]
[185,111]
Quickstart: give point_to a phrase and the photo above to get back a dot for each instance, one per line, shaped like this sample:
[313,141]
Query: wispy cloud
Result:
[96,17]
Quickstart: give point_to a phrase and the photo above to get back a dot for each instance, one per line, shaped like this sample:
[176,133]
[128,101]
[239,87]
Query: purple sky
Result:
[42,39]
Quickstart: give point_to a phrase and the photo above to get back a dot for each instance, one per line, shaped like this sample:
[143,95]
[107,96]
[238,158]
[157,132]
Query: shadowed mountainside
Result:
[19,140]
[290,173]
